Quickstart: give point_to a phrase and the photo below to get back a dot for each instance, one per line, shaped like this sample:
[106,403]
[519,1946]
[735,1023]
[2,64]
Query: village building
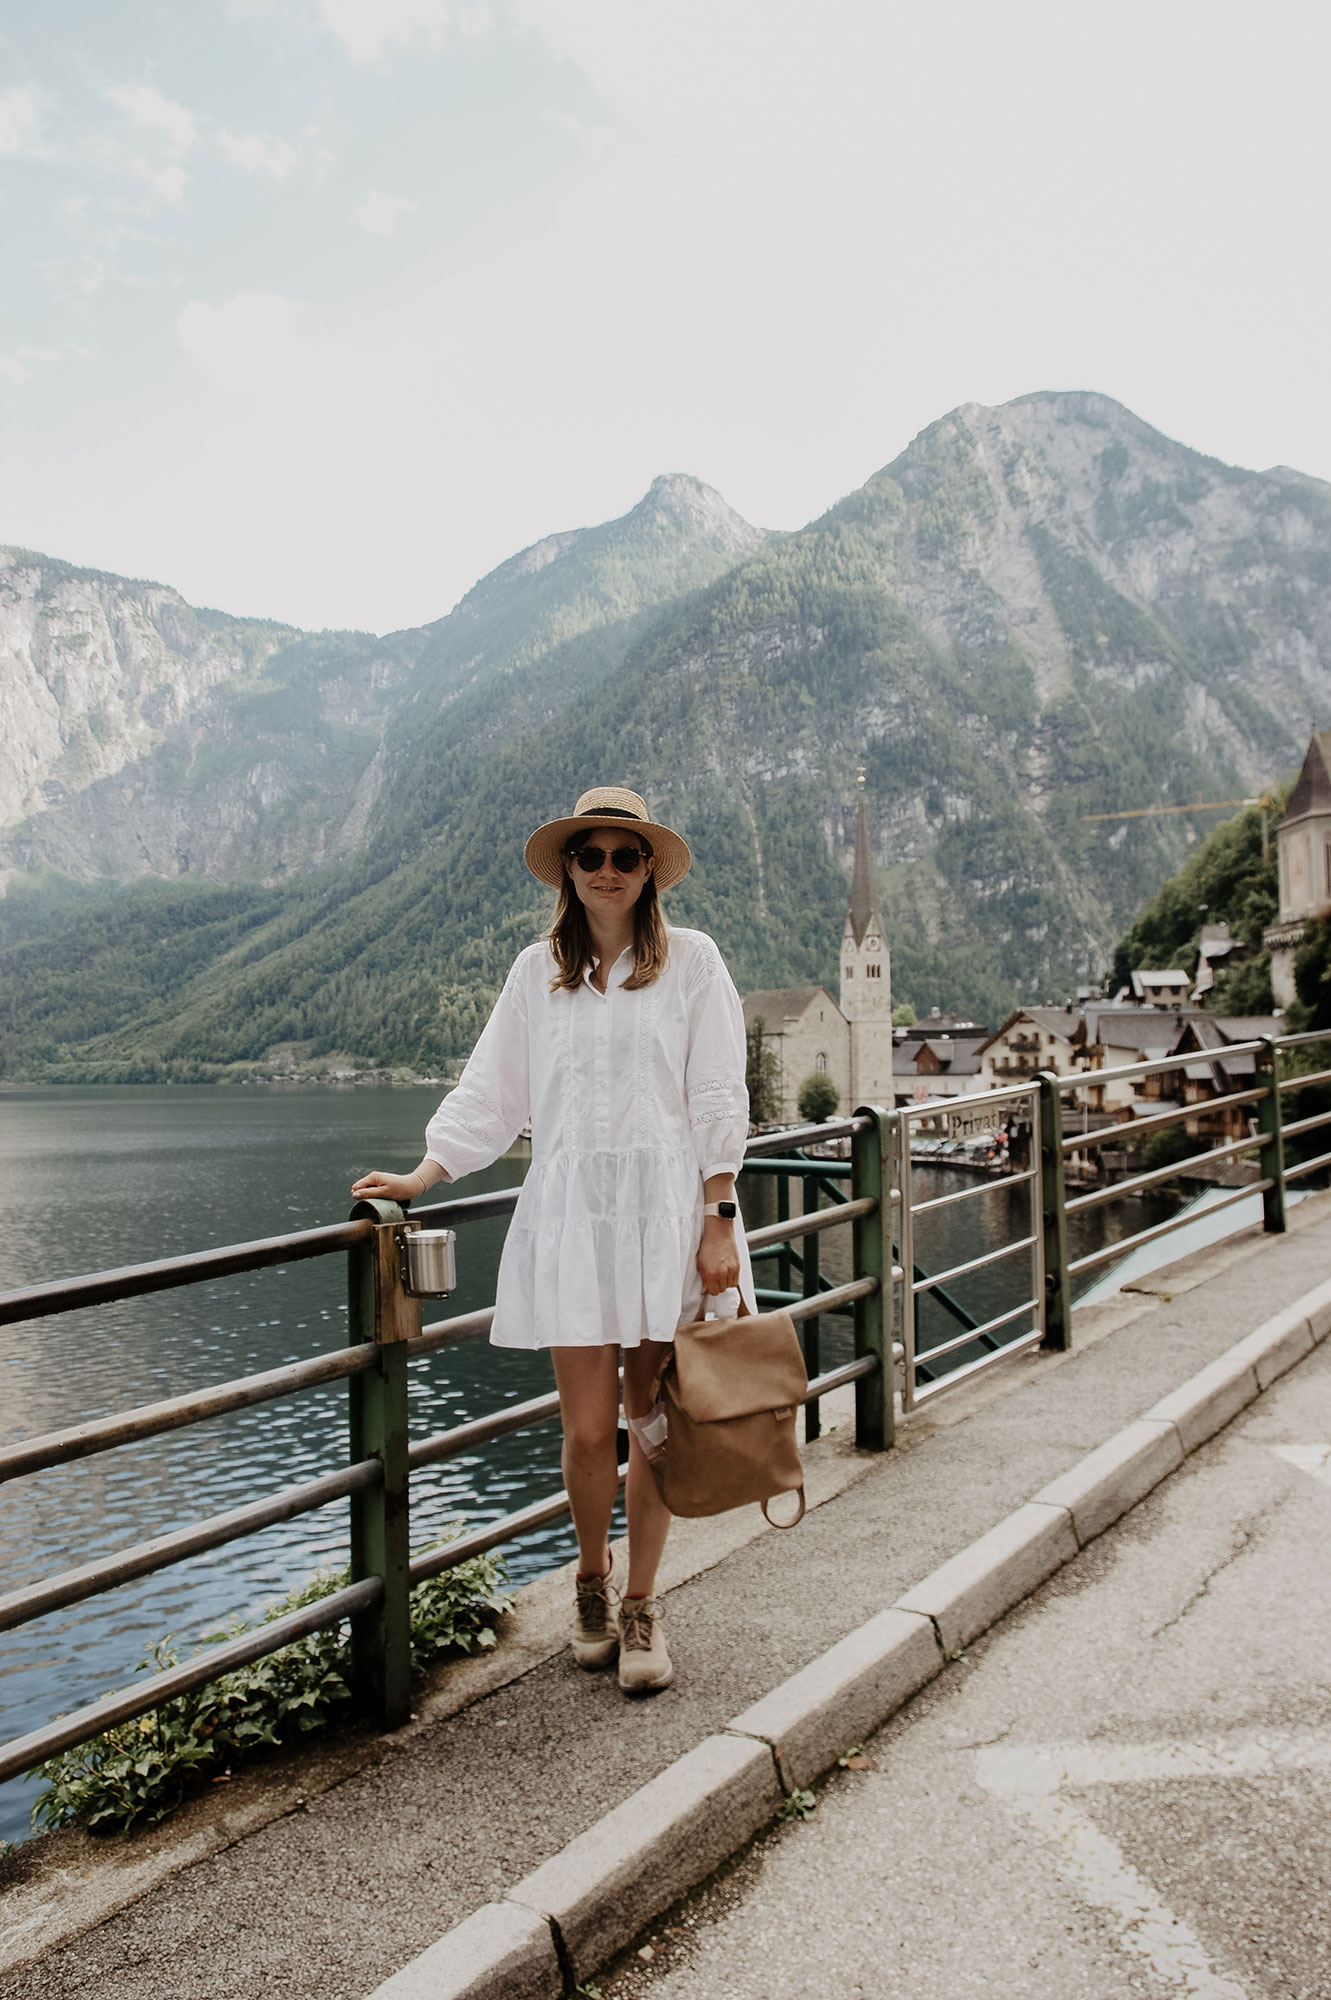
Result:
[850,1038]
[1160,989]
[1303,841]
[1031,1039]
[937,1058]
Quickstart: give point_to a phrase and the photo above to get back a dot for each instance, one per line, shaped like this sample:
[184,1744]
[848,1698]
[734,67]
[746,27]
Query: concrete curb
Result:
[592,1898]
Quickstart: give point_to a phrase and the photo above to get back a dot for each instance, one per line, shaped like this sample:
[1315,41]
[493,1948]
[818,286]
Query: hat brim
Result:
[544,852]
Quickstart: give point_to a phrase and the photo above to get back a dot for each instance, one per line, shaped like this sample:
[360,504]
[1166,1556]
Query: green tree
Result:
[762,1074]
[904,1015]
[818,1097]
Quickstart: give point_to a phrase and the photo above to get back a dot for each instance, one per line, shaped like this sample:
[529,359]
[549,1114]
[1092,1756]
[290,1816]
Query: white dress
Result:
[634,1099]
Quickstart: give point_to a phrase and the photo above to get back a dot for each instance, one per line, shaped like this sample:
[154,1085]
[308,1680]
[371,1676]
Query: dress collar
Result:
[611,978]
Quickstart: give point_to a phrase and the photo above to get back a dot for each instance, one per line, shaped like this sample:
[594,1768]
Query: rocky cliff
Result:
[144,737]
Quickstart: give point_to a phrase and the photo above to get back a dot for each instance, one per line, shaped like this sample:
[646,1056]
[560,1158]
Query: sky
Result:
[319,309]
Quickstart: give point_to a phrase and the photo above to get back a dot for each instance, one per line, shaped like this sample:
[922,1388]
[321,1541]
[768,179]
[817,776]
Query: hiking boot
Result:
[595,1637]
[644,1664]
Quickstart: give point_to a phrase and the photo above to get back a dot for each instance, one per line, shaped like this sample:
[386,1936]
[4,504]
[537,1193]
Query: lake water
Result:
[91,1179]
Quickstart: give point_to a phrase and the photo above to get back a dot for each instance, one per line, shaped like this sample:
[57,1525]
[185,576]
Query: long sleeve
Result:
[718,1098]
[483,1115]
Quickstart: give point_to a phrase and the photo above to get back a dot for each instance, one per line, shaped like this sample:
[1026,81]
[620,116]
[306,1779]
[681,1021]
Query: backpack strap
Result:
[784,1524]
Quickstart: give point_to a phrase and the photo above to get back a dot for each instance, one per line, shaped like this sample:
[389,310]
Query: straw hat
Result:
[605,805]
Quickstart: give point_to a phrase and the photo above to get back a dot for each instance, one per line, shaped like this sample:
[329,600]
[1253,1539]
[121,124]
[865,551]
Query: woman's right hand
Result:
[388,1187]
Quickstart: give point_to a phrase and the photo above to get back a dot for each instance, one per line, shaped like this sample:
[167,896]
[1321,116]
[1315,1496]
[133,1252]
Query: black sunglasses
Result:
[624,860]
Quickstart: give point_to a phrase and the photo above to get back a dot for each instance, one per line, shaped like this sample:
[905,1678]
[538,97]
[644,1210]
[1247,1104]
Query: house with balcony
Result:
[1032,1039]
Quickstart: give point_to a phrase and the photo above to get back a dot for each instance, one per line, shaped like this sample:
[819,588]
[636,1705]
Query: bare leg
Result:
[588,1383]
[649,1517]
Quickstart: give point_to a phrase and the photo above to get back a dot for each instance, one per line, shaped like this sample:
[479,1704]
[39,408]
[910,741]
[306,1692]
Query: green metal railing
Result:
[875,1191]
[385,1336]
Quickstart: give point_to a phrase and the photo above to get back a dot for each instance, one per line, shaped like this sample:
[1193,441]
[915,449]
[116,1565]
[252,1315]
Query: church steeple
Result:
[866,979]
[863,901]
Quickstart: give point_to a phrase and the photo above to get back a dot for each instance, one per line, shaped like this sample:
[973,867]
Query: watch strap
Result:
[725,1209]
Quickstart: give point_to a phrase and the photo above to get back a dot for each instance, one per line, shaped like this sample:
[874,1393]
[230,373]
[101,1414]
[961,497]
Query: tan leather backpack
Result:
[730,1389]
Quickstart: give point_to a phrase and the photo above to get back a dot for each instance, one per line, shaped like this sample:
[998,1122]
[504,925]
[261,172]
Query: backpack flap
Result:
[738,1367]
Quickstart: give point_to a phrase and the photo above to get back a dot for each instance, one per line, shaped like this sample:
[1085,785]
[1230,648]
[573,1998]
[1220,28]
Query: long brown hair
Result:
[571,938]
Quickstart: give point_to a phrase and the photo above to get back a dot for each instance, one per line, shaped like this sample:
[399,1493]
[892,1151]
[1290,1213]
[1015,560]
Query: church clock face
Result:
[872,944]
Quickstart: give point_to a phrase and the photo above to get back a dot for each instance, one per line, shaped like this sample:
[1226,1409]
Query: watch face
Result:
[726,1210]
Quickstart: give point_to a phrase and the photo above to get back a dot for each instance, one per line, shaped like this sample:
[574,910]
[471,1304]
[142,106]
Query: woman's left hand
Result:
[718,1255]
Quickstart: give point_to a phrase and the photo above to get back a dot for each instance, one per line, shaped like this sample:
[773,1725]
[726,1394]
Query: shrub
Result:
[139,1771]
[818,1097]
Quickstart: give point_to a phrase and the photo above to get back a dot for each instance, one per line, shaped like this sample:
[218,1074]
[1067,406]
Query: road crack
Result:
[1248,1533]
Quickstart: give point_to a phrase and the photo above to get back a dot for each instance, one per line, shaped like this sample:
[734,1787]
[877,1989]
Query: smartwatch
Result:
[725,1209]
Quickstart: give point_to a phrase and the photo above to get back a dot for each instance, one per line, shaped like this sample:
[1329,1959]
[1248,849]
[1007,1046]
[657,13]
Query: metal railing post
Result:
[379,1309]
[1271,1159]
[875,1412]
[810,1329]
[901,1181]
[1054,1218]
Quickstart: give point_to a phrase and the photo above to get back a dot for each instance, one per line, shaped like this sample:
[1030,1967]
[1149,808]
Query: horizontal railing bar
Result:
[152,1419]
[975,1264]
[463,1437]
[131,1281]
[1098,1196]
[1094,1079]
[1304,1082]
[836,1378]
[17,1607]
[468,1208]
[507,1529]
[1129,1132]
[813,1169]
[22,1752]
[1192,1213]
[833,1301]
[1306,1035]
[969,1193]
[924,1356]
[1307,1166]
[450,1444]
[955,1376]
[1297,1125]
[969,1101]
[804,1135]
[806,1225]
[450,1332]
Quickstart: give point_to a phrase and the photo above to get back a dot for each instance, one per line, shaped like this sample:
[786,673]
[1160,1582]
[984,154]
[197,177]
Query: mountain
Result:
[146,737]
[1036,613]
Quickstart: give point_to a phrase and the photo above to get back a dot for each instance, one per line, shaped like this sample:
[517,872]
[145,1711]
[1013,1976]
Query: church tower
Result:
[866,983]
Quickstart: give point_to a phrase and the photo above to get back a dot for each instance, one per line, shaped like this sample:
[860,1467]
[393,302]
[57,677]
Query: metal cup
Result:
[431,1268]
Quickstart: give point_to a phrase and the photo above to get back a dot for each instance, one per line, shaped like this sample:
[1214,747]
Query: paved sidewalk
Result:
[1123,1789]
[331,1898]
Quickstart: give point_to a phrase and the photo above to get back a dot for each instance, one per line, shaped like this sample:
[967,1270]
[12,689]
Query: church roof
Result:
[776,1005]
[863,900]
[1312,792]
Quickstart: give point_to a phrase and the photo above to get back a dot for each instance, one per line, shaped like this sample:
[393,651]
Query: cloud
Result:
[594,137]
[258,153]
[366,27]
[18,122]
[378,213]
[147,107]
[168,183]
[16,367]
[248,346]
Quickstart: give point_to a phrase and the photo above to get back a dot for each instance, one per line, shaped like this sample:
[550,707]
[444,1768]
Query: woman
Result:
[622,1043]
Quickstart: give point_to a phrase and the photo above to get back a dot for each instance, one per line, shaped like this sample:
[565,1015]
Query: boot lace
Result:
[593,1603]
[636,1620]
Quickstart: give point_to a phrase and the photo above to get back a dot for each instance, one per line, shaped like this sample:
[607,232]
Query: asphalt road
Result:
[1123,1789]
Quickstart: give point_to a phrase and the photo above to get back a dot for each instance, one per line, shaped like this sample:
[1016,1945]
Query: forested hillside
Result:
[1036,614]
